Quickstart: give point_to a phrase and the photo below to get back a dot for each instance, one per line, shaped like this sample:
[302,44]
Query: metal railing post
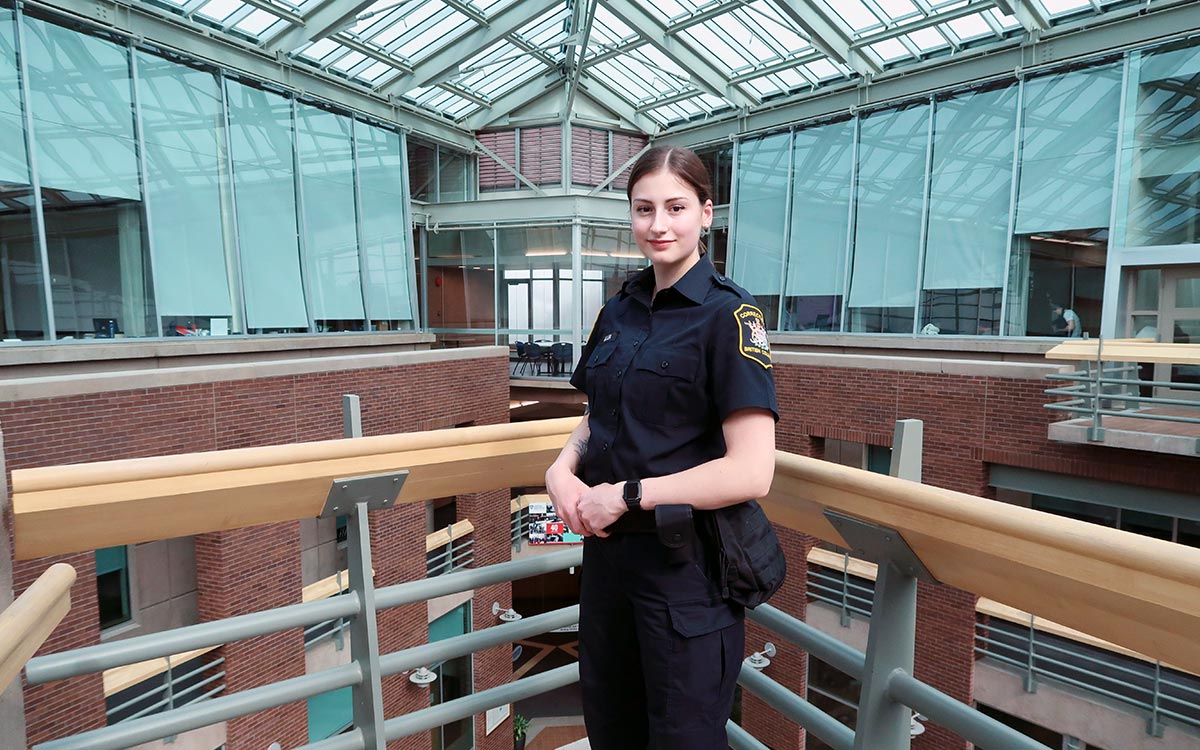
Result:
[1153,725]
[364,632]
[845,590]
[885,723]
[1096,431]
[1030,682]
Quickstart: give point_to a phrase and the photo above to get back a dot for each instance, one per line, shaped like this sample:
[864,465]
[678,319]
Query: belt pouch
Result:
[676,531]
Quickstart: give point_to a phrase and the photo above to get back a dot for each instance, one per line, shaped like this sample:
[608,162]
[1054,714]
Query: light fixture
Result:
[422,676]
[544,253]
[761,659]
[505,615]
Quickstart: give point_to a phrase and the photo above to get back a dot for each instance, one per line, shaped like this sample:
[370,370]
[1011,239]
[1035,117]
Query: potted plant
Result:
[520,727]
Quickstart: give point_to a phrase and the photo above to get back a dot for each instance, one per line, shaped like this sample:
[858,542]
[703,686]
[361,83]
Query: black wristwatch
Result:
[633,494]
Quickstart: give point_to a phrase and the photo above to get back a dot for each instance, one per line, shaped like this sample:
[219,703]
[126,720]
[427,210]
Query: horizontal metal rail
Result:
[1130,413]
[943,710]
[459,708]
[823,726]
[158,645]
[202,714]
[845,659]
[740,739]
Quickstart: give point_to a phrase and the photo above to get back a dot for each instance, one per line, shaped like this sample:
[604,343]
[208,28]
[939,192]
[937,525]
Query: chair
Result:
[535,354]
[560,357]
[521,354]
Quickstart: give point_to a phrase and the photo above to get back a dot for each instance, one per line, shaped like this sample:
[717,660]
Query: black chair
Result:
[560,357]
[535,354]
[521,354]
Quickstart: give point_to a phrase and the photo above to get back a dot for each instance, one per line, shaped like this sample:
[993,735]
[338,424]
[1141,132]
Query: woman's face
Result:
[667,218]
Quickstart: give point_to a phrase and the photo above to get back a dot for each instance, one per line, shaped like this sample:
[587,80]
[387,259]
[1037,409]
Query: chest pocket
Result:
[667,387]
[603,352]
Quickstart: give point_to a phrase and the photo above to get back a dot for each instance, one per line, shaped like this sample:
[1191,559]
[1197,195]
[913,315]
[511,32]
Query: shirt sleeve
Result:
[741,371]
[579,377]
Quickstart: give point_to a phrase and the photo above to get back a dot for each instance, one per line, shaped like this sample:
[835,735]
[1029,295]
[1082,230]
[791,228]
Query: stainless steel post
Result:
[364,631]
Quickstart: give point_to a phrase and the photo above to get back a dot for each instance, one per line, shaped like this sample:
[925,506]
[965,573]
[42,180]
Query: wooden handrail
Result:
[1139,592]
[1126,350]
[64,509]
[442,537]
[869,570]
[29,620]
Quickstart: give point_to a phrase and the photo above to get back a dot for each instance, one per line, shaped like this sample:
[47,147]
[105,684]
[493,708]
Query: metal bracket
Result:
[879,544]
[376,490]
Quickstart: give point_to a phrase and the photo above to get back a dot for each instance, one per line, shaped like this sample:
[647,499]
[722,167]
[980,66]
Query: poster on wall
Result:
[545,527]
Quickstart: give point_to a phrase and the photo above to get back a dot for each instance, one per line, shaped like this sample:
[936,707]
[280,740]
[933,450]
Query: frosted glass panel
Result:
[971,190]
[323,140]
[82,106]
[1068,150]
[261,138]
[184,141]
[887,236]
[821,192]
[14,166]
[384,234]
[761,213]
[1164,185]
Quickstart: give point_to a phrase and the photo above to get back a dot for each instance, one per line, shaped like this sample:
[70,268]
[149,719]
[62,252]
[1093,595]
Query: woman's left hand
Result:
[600,506]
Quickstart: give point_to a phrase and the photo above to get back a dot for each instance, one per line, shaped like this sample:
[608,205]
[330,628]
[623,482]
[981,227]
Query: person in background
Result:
[1066,322]
[681,419]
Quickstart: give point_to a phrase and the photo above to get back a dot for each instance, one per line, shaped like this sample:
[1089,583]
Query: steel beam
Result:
[701,66]
[1027,13]
[956,716]
[146,23]
[323,19]
[828,37]
[447,58]
[530,91]
[820,724]
[575,56]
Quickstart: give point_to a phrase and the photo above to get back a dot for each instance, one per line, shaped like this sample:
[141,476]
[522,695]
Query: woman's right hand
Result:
[565,490]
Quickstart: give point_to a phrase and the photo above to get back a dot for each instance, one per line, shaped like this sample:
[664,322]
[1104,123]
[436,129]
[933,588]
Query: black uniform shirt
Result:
[660,379]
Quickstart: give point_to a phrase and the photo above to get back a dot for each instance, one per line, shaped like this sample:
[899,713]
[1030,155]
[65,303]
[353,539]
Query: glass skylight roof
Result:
[667,62]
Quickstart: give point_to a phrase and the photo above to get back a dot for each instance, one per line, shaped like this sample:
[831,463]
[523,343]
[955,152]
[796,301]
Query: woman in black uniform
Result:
[681,417]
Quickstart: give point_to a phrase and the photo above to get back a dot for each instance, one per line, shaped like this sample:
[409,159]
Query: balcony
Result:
[1117,400]
[1132,593]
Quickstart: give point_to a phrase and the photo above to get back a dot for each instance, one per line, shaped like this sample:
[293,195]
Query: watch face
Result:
[633,491]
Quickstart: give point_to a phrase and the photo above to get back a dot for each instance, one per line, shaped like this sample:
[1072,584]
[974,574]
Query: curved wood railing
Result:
[1135,591]
[29,620]
[1125,350]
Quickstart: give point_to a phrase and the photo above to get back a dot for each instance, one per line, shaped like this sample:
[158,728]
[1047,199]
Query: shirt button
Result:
[612,412]
[604,447]
[620,373]
[635,343]
[664,364]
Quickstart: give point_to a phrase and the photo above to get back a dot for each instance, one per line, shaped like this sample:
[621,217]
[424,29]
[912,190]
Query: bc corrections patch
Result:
[752,334]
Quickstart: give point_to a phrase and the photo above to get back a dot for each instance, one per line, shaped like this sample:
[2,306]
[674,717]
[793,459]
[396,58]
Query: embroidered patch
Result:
[752,334]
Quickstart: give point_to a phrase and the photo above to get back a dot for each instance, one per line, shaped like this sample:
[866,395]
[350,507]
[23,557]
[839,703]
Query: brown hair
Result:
[678,161]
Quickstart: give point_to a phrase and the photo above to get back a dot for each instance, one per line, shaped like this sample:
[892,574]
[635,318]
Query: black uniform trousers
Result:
[659,650]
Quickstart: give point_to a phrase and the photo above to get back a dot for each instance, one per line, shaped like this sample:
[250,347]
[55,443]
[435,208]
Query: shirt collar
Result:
[694,285]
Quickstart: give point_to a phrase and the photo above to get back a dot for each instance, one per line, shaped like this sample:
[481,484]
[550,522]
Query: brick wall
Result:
[247,569]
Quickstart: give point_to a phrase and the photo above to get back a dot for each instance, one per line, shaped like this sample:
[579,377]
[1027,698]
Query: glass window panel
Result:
[1145,295]
[1068,150]
[330,713]
[81,99]
[1187,292]
[22,289]
[610,257]
[759,232]
[264,187]
[1057,283]
[1103,515]
[887,233]
[323,142]
[534,264]
[422,171]
[461,283]
[452,175]
[1188,532]
[385,235]
[1164,158]
[823,165]
[1147,524]
[183,136]
[970,192]
[112,586]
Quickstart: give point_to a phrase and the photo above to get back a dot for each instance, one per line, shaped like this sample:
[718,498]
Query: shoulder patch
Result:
[752,334]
